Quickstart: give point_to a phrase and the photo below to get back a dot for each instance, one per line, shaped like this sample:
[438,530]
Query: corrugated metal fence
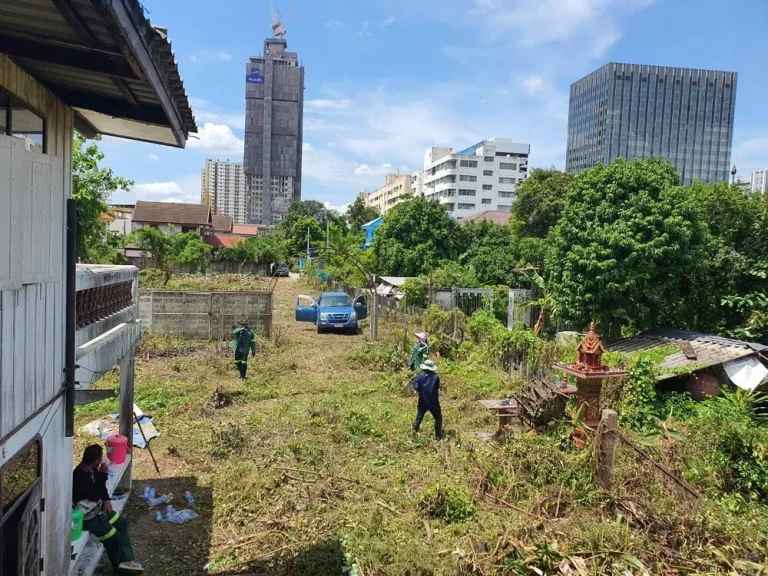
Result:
[204,315]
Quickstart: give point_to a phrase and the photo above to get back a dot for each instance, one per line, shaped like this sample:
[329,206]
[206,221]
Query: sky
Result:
[386,80]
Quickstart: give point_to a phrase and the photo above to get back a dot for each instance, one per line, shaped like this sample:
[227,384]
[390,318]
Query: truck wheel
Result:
[319,330]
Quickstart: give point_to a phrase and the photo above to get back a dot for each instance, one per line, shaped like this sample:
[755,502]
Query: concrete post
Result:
[127,365]
[606,443]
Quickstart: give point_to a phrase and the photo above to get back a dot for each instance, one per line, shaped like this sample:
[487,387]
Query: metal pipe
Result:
[71,320]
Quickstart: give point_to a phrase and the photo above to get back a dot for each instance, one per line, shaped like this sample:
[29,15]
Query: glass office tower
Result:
[637,111]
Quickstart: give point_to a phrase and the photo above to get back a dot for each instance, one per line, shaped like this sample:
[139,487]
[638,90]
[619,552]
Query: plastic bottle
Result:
[151,492]
[169,512]
[190,498]
[145,496]
[157,501]
[158,517]
[181,516]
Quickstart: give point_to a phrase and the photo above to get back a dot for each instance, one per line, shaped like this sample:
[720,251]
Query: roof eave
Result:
[138,46]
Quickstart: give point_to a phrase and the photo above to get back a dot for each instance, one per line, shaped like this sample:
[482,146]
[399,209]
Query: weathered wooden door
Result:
[29,535]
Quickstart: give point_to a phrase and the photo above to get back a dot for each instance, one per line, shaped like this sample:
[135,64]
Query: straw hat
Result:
[429,366]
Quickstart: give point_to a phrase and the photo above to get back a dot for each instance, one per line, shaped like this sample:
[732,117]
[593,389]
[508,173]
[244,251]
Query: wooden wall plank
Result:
[19,356]
[5,212]
[51,377]
[31,361]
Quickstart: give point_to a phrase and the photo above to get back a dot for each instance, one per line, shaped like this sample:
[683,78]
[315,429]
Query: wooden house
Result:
[100,68]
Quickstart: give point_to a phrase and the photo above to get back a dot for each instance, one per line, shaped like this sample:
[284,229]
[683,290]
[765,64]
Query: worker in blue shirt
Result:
[427,384]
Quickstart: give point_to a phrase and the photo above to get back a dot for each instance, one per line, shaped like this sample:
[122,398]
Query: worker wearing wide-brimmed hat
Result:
[420,351]
[427,384]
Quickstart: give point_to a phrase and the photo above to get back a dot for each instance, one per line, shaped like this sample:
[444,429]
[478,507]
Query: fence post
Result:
[606,443]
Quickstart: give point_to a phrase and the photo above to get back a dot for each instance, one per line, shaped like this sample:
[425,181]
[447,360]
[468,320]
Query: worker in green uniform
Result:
[245,341]
[420,351]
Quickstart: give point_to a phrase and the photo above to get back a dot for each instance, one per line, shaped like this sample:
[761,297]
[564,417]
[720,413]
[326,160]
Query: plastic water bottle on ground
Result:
[169,511]
[158,517]
[145,496]
[190,498]
[181,516]
[151,492]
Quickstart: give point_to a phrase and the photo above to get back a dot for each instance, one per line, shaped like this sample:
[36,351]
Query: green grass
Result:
[315,459]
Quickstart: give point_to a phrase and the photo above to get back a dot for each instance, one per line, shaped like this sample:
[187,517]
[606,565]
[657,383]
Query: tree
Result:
[189,250]
[92,187]
[416,237]
[627,249]
[358,214]
[156,246]
[296,238]
[537,207]
[311,209]
[491,253]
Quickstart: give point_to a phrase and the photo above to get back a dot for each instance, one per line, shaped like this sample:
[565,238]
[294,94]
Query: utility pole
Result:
[327,234]
[374,312]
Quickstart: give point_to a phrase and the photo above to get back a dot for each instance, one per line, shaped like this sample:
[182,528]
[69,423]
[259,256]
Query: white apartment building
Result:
[759,181]
[481,177]
[224,189]
[396,189]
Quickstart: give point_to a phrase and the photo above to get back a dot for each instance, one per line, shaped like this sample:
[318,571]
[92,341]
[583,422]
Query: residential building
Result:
[396,189]
[274,123]
[224,189]
[417,183]
[759,181]
[65,325]
[370,230]
[123,215]
[638,111]
[481,177]
[173,217]
[744,184]
[488,216]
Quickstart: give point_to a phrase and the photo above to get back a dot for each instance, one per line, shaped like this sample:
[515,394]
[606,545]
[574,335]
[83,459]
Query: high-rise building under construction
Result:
[274,118]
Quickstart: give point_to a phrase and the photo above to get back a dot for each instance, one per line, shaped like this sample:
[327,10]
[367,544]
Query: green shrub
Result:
[728,430]
[449,504]
[151,278]
[639,407]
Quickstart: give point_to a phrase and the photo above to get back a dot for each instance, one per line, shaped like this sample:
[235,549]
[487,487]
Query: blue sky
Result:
[386,80]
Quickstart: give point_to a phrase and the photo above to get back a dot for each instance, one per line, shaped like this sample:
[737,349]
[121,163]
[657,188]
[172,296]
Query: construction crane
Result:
[278,27]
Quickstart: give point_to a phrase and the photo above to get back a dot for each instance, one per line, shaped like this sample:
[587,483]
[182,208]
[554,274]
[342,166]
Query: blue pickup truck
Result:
[332,311]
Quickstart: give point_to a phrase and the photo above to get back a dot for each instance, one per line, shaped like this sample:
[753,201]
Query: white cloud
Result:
[592,24]
[388,21]
[211,55]
[753,146]
[326,105]
[332,24]
[204,112]
[217,140]
[533,84]
[366,170]
[154,157]
[366,24]
[183,189]
[341,209]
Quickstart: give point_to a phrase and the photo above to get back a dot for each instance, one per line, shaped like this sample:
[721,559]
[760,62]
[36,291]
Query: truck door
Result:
[306,309]
[361,307]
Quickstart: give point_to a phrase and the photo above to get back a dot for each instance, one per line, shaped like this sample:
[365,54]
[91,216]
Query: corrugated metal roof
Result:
[81,49]
[697,350]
